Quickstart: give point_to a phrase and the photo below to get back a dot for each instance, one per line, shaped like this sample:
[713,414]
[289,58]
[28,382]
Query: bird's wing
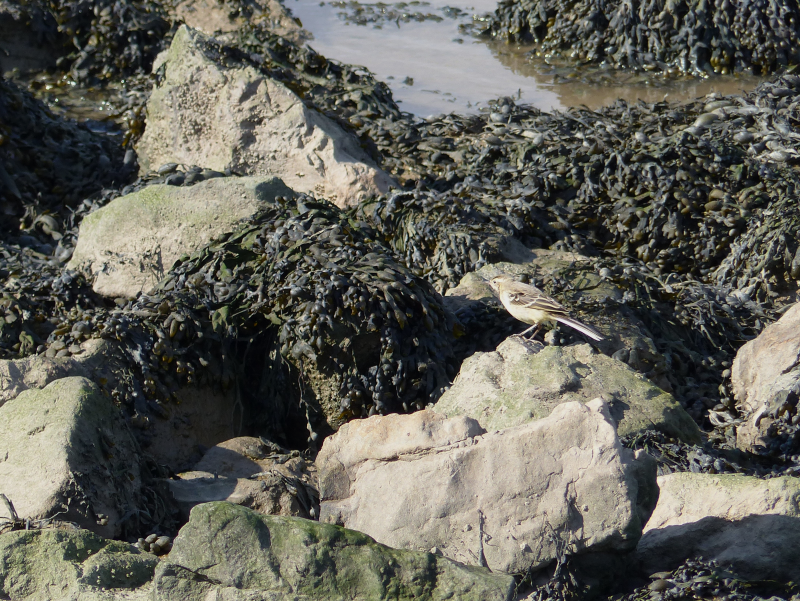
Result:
[534,299]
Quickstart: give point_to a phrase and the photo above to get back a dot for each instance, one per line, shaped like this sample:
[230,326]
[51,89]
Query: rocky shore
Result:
[248,349]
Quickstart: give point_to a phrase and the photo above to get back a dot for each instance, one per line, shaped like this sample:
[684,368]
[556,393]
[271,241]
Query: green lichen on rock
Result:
[226,546]
[69,564]
[518,383]
[130,244]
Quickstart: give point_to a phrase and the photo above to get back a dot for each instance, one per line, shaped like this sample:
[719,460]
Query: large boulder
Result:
[128,245]
[511,500]
[523,381]
[65,452]
[72,565]
[766,383]
[748,523]
[229,115]
[230,552]
[249,472]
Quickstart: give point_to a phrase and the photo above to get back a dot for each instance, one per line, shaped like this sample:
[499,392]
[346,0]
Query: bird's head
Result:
[497,282]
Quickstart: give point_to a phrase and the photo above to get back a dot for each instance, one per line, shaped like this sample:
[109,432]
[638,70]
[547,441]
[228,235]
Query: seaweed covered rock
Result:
[226,549]
[94,41]
[514,499]
[25,47]
[683,35]
[748,524]
[297,320]
[523,381]
[309,285]
[213,107]
[40,299]
[583,288]
[765,378]
[72,565]
[67,454]
[697,578]
[48,165]
[128,245]
[671,185]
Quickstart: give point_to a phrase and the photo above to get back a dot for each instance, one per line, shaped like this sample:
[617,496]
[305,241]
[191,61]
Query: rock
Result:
[72,565]
[37,371]
[508,499]
[523,381]
[66,453]
[128,245]
[748,523]
[235,117]
[227,551]
[215,17]
[764,373]
[248,472]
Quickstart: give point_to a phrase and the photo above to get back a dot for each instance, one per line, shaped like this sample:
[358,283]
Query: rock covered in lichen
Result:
[684,35]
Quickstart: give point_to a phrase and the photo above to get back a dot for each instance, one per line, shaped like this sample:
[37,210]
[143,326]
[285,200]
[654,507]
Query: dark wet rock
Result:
[225,547]
[720,37]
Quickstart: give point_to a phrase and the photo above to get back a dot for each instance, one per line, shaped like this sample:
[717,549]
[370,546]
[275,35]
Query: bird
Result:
[532,306]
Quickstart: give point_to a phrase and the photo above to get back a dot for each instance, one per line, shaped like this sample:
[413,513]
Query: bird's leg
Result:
[534,327]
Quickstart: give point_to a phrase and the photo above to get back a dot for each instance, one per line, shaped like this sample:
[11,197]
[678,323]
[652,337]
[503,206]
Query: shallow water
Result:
[433,67]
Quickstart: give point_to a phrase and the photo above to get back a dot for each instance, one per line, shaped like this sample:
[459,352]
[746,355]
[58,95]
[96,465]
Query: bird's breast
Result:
[526,314]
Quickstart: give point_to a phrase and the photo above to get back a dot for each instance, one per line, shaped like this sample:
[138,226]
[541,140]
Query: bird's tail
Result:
[581,327]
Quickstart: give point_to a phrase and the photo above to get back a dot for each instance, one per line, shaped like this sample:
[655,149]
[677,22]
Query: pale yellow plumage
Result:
[532,306]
